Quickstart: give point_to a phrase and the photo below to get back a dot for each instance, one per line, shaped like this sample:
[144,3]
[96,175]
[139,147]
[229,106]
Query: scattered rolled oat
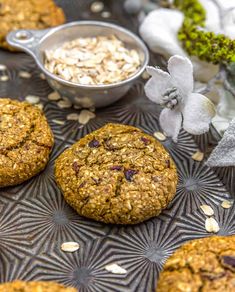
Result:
[211,225]
[92,109]
[32,99]
[64,103]
[85,116]
[3,67]
[77,106]
[70,246]
[25,74]
[92,61]
[207,210]
[42,76]
[160,136]
[226,204]
[145,75]
[115,269]
[85,102]
[105,14]
[73,117]
[4,78]
[97,6]
[54,96]
[58,122]
[198,156]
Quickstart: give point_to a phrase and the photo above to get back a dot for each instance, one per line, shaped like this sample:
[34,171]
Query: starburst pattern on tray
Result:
[143,249]
[135,108]
[13,240]
[84,269]
[227,175]
[72,129]
[24,62]
[197,185]
[49,222]
[19,269]
[184,148]
[224,217]
[19,88]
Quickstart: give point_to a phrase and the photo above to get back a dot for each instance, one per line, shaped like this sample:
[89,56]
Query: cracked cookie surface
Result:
[27,14]
[202,265]
[21,286]
[117,174]
[25,141]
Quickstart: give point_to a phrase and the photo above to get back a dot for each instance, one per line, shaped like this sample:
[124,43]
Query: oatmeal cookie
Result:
[117,174]
[27,14]
[202,265]
[21,286]
[25,141]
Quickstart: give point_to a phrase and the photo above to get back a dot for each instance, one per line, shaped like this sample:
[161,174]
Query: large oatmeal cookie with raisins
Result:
[117,174]
[27,14]
[21,286]
[202,265]
[25,141]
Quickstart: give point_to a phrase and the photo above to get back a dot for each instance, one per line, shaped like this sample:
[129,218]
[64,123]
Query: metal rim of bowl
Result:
[104,24]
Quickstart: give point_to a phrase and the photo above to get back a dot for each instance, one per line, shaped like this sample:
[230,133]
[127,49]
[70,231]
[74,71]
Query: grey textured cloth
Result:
[224,153]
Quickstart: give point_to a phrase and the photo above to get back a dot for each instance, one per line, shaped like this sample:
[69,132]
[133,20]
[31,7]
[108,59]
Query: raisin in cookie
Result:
[25,141]
[27,14]
[21,286]
[202,265]
[117,174]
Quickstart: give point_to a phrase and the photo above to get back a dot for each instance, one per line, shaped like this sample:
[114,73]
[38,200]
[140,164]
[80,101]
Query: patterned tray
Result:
[35,220]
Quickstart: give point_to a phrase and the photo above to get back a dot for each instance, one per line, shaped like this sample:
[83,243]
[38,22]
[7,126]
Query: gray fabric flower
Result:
[174,91]
[224,154]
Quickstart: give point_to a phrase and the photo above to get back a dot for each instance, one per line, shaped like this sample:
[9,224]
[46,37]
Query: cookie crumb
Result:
[40,106]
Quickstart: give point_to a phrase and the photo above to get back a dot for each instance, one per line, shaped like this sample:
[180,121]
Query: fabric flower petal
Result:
[170,121]
[159,30]
[181,71]
[157,84]
[197,112]
[212,15]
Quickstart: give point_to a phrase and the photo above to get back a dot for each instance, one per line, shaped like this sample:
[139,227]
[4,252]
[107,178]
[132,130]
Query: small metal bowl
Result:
[35,42]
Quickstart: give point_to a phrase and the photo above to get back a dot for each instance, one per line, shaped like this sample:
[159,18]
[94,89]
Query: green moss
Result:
[206,45]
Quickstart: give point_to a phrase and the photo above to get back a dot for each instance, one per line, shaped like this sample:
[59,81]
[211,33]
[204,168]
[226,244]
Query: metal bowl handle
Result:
[26,40]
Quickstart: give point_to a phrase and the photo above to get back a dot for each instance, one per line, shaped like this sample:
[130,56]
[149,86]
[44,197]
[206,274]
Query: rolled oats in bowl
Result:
[96,60]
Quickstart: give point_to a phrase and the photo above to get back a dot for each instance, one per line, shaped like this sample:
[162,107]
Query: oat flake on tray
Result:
[92,61]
